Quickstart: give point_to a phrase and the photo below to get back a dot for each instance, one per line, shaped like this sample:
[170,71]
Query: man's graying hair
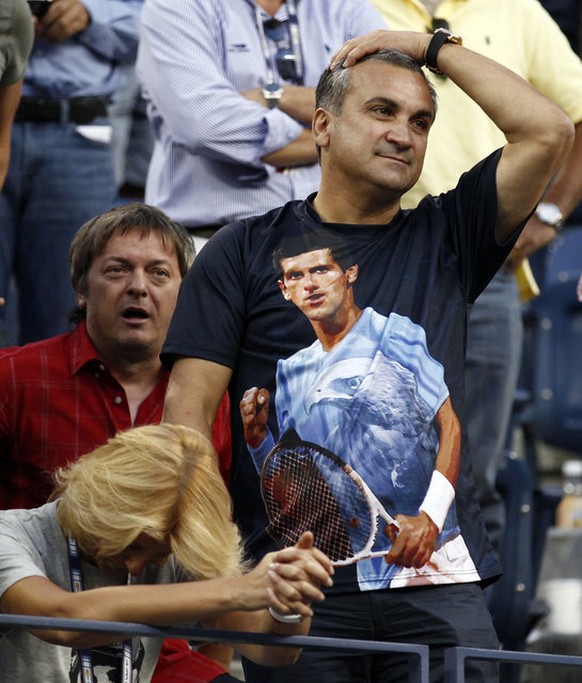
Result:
[334,84]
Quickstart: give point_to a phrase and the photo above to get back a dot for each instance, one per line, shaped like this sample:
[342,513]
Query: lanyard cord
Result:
[269,54]
[76,577]
[295,42]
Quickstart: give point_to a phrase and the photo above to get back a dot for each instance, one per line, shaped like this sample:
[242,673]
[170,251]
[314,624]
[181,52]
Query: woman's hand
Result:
[297,574]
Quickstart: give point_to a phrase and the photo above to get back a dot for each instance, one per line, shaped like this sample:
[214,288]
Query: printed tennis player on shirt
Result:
[369,391]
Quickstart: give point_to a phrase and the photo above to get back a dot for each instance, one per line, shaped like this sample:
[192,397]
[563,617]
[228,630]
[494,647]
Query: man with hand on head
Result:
[374,112]
[523,37]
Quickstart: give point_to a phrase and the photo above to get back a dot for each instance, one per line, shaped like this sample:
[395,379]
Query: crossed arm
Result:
[298,102]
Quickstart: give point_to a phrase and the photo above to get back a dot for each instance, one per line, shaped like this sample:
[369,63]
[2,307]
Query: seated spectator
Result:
[64,396]
[147,508]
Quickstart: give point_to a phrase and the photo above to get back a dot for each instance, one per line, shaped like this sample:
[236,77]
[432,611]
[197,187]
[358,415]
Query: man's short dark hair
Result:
[93,236]
[304,242]
[334,83]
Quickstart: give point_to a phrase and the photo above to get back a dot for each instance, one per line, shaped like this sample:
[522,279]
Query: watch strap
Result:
[439,38]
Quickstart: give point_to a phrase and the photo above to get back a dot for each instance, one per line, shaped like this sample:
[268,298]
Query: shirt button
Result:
[101,367]
[118,400]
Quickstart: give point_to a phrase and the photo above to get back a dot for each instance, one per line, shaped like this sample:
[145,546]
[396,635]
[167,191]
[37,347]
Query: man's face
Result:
[378,141]
[317,285]
[142,553]
[132,287]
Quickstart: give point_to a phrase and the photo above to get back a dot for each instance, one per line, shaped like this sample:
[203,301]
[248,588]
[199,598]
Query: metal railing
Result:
[418,655]
[456,658]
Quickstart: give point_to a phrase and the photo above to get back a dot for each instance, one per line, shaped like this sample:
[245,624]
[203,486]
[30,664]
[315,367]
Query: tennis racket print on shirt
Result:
[305,487]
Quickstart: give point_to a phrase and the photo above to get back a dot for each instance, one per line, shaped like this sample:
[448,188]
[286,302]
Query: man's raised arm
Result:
[539,134]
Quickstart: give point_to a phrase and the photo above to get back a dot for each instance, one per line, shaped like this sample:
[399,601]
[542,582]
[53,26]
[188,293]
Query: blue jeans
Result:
[57,180]
[494,347]
[439,616]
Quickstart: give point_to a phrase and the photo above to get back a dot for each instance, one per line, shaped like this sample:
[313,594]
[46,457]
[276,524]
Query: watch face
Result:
[272,91]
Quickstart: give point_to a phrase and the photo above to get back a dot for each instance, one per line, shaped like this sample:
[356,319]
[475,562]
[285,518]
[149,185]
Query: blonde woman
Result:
[140,530]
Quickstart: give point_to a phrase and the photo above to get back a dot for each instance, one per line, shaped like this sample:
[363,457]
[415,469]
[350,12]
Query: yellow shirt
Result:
[517,33]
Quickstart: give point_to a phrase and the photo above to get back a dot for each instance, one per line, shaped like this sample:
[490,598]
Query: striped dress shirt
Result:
[195,58]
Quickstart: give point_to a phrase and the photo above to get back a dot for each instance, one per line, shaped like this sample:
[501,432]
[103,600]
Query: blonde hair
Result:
[160,480]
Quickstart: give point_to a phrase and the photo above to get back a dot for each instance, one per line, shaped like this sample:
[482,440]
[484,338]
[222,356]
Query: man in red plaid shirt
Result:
[63,396]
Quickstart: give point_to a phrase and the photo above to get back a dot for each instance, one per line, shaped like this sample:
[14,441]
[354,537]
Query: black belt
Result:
[80,110]
[205,231]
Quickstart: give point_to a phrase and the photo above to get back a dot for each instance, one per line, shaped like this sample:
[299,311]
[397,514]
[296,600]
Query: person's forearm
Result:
[113,30]
[566,189]
[298,102]
[159,605]
[263,622]
[448,459]
[441,491]
[539,134]
[565,192]
[300,152]
[194,393]
[9,99]
[289,580]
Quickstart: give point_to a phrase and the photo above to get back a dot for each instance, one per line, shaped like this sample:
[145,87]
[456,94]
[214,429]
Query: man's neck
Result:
[138,372]
[138,377]
[330,333]
[353,210]
[270,6]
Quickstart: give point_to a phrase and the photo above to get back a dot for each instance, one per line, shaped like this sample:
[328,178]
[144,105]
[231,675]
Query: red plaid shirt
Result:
[58,400]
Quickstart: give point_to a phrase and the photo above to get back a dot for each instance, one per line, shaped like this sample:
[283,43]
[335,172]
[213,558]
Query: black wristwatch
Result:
[439,38]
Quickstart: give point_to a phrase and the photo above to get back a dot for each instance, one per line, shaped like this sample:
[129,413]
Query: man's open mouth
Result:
[135,314]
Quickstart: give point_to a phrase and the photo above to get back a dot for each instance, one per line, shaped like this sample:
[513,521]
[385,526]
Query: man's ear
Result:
[322,120]
[352,273]
[284,291]
[81,300]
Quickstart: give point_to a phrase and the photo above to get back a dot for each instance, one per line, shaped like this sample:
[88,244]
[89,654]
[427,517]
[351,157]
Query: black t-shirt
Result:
[426,267]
